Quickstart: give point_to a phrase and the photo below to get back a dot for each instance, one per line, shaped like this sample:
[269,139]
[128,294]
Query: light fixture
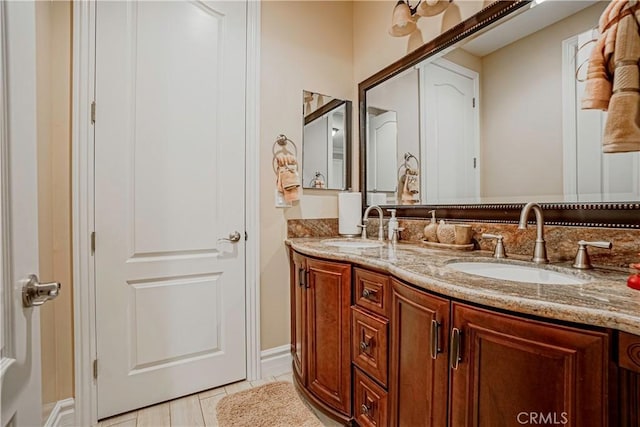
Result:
[432,7]
[403,22]
[404,18]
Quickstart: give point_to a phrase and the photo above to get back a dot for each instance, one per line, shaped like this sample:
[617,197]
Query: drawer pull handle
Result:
[364,345]
[365,409]
[454,351]
[435,339]
[368,293]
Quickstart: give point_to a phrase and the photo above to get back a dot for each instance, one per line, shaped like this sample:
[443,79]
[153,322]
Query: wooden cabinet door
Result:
[418,381]
[629,377]
[328,333]
[298,315]
[515,371]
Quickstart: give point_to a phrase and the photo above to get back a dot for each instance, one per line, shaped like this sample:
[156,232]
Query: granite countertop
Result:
[605,300]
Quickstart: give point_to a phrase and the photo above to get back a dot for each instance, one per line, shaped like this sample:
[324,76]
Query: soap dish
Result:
[434,245]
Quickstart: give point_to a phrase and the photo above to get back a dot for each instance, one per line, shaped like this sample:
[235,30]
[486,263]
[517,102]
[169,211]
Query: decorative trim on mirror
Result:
[610,215]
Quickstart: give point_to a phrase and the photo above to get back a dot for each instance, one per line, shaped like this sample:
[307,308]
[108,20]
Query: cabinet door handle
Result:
[435,339]
[454,350]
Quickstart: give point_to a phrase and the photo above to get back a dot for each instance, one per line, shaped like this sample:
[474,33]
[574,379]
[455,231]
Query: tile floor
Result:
[193,411]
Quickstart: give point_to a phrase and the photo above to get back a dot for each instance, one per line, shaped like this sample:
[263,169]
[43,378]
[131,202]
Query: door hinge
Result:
[475,162]
[93,112]
[246,236]
[95,369]
[473,102]
[93,242]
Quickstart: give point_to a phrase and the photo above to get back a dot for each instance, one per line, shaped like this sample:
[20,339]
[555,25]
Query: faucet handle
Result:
[582,261]
[499,251]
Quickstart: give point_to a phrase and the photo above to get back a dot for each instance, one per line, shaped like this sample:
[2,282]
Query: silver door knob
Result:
[233,237]
[35,293]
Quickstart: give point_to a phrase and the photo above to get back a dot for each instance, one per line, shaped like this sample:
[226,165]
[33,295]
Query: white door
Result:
[449,135]
[382,151]
[19,327]
[169,183]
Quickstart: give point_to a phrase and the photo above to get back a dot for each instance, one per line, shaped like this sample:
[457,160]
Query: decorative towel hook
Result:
[407,158]
[281,146]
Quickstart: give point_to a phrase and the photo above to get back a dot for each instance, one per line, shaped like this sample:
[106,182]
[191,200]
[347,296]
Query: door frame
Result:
[84,310]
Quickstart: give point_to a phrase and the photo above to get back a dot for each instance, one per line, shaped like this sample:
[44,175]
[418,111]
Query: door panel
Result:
[150,302]
[328,338]
[169,179]
[20,385]
[511,369]
[450,136]
[418,382]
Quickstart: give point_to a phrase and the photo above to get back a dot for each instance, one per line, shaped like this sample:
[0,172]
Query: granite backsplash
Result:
[561,241]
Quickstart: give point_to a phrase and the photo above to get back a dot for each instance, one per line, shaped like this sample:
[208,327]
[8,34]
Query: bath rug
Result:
[272,404]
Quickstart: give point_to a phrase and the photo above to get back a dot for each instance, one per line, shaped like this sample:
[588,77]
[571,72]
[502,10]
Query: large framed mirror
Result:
[490,111]
[326,142]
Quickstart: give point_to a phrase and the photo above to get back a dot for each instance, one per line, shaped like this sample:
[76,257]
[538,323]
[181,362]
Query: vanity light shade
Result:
[402,22]
[432,7]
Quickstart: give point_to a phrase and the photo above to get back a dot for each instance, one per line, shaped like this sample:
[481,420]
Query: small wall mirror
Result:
[326,142]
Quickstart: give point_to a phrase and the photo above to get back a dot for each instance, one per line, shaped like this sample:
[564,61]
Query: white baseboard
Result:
[275,361]
[62,414]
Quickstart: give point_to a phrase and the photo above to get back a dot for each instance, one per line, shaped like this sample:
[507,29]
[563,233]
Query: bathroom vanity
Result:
[394,336]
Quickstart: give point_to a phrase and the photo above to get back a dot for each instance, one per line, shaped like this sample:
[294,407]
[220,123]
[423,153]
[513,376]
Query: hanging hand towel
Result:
[288,180]
[410,189]
[617,54]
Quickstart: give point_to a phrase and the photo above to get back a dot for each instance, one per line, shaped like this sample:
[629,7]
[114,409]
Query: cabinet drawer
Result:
[370,401]
[629,351]
[369,347]
[372,291]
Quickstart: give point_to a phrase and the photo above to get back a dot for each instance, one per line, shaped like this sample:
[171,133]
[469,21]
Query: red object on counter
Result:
[634,280]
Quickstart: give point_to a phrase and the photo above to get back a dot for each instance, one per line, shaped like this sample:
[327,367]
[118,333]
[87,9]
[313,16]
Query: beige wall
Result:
[305,46]
[53,37]
[336,47]
[526,76]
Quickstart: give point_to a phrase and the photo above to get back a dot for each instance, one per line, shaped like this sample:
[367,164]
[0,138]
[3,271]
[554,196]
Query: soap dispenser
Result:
[431,230]
[393,224]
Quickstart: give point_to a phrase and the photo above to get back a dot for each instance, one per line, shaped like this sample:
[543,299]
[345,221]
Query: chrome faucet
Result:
[365,220]
[540,249]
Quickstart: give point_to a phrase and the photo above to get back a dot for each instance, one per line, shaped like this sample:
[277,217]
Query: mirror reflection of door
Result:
[589,174]
[450,142]
[382,149]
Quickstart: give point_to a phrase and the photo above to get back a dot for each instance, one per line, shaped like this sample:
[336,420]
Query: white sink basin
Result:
[516,273]
[354,243]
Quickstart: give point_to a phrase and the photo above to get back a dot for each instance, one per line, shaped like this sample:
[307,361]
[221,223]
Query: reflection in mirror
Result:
[326,142]
[497,118]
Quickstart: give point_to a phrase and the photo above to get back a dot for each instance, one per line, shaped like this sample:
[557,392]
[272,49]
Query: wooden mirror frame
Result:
[333,104]
[597,214]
